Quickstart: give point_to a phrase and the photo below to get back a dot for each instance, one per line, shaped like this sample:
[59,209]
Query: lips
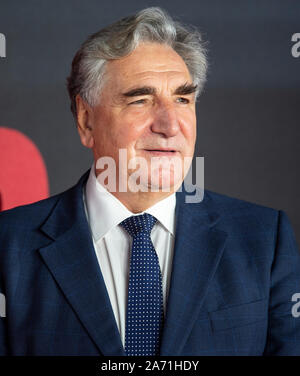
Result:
[167,150]
[161,152]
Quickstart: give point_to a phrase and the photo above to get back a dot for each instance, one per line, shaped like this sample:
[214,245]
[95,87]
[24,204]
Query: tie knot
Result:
[139,223]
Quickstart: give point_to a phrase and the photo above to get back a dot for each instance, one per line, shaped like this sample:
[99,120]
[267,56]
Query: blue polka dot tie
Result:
[145,301]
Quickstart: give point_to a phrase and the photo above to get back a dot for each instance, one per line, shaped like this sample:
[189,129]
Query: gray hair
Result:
[121,38]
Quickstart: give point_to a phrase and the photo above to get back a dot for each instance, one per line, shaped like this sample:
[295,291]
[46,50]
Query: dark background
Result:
[248,116]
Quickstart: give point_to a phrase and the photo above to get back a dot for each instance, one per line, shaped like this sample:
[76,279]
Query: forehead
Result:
[148,61]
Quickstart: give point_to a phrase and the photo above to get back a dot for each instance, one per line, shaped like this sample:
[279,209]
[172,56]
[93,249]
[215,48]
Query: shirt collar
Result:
[105,211]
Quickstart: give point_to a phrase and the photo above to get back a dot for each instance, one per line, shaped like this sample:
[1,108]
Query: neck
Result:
[138,202]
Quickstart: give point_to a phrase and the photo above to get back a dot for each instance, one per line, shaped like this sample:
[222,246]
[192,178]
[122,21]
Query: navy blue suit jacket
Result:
[235,268]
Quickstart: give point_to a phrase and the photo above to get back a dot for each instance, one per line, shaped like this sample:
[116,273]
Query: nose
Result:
[165,120]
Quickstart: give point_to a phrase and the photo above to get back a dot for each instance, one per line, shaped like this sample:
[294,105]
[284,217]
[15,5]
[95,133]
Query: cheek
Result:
[133,127]
[189,128]
[114,133]
[127,134]
[124,137]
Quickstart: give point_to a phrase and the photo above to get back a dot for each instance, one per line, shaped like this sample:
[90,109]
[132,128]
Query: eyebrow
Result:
[184,89]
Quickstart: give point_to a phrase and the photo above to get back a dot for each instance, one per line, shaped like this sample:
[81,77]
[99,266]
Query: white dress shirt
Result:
[113,244]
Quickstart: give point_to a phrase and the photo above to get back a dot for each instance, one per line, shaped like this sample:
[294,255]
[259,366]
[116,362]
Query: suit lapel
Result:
[197,252]
[73,263]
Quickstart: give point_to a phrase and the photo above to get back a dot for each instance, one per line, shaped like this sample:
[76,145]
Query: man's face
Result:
[147,106]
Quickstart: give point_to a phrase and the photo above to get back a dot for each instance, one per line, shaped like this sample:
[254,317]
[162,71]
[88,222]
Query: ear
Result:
[84,122]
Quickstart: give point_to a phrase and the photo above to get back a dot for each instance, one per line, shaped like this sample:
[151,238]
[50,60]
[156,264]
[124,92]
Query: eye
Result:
[183,100]
[139,101]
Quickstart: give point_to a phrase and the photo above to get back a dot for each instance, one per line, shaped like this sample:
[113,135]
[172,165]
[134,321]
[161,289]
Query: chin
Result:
[166,178]
[164,182]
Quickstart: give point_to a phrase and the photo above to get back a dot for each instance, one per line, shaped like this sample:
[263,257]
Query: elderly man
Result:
[108,269]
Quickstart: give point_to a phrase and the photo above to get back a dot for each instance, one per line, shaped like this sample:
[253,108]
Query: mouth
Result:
[162,152]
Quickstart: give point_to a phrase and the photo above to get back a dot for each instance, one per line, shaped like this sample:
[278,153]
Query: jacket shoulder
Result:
[31,215]
[17,221]
[235,202]
[237,208]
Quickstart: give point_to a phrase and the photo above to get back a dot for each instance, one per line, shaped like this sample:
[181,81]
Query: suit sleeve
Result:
[284,326]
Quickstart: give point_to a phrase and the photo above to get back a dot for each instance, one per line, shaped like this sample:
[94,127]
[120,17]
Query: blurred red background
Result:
[23,174]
